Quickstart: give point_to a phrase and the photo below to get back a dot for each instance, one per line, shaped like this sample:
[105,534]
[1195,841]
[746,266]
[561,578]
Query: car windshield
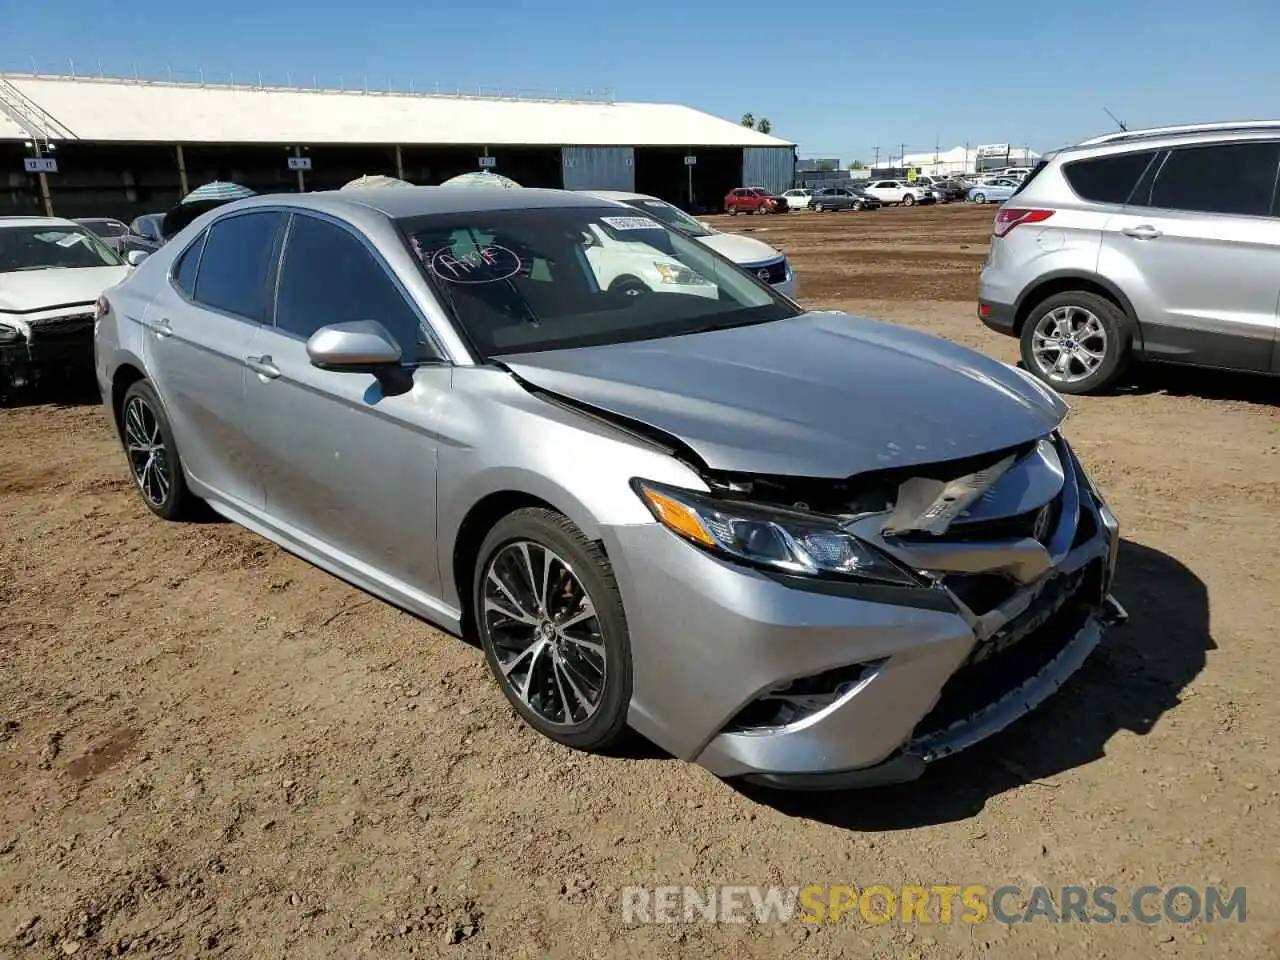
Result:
[520,281]
[52,247]
[673,217]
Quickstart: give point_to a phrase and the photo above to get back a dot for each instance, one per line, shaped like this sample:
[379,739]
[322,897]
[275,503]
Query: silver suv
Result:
[1158,244]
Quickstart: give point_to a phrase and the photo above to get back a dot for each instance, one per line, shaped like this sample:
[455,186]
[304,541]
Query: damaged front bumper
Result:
[32,351]
[812,685]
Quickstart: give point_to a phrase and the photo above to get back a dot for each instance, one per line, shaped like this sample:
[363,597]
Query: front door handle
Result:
[161,327]
[262,366]
[1143,231]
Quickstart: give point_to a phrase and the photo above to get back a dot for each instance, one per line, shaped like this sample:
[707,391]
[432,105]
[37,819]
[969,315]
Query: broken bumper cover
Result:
[32,351]
[903,676]
[914,758]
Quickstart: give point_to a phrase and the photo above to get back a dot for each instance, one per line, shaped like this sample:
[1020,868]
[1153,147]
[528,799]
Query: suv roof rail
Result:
[1230,126]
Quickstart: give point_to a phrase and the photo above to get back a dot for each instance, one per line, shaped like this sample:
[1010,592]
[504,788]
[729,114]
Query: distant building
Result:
[127,147]
[962,160]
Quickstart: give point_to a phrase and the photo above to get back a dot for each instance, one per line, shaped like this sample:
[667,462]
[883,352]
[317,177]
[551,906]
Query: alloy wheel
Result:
[1069,344]
[149,458]
[545,633]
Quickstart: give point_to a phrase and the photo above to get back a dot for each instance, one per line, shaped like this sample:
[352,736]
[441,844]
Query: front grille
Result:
[1020,650]
[62,328]
[775,272]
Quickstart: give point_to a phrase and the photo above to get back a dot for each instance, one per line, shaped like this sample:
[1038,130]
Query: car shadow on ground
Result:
[1204,383]
[73,393]
[1128,683]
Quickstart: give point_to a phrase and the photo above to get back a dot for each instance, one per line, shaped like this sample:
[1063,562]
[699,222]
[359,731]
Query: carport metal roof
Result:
[133,111]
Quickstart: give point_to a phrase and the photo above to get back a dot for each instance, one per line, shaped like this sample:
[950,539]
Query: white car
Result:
[898,191]
[52,272]
[798,199]
[629,265]
[768,264]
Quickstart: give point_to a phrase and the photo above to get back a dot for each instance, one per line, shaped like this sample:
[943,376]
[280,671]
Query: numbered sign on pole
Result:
[299,163]
[488,162]
[691,161]
[40,164]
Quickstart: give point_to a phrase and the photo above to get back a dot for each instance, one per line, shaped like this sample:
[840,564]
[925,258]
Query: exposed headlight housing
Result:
[784,541]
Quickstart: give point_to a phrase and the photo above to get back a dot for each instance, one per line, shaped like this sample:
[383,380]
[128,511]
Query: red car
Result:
[753,200]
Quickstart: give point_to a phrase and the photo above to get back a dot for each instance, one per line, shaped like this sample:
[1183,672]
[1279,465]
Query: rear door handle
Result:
[263,367]
[1143,231]
[161,327]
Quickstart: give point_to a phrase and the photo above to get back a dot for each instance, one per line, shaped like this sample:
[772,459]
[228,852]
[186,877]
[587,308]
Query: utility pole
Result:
[875,162]
[902,155]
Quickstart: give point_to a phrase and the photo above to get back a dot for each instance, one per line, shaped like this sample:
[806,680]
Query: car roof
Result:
[1160,138]
[403,202]
[36,222]
[617,195]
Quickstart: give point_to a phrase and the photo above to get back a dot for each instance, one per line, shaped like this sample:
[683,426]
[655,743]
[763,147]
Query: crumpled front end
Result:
[41,348]
[807,684]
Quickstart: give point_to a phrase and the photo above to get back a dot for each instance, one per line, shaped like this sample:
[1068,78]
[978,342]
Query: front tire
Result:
[153,456]
[1077,342]
[551,622]
[908,201]
[979,198]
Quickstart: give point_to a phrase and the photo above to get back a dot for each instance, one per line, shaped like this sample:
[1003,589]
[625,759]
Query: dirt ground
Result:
[210,748]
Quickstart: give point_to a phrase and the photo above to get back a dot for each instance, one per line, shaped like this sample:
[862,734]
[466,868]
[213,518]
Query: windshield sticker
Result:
[631,223]
[70,240]
[487,264]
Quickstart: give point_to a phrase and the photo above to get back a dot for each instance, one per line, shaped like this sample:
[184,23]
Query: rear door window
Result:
[1231,178]
[238,259]
[1106,179]
[184,271]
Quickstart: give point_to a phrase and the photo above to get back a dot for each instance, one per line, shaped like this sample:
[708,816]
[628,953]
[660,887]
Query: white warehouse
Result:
[125,147]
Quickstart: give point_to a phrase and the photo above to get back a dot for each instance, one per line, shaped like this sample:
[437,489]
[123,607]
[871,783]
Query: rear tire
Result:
[571,684]
[908,201]
[979,198]
[153,456]
[1082,311]
[818,208]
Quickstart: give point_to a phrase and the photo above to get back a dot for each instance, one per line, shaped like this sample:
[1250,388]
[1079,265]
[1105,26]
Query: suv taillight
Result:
[1010,217]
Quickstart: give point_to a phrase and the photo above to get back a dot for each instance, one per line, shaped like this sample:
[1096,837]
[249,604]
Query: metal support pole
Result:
[302,183]
[45,195]
[182,171]
[399,162]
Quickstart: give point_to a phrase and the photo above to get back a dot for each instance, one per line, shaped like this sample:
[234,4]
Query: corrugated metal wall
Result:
[599,168]
[773,168]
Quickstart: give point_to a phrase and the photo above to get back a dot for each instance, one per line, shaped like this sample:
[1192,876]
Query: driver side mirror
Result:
[135,257]
[362,346]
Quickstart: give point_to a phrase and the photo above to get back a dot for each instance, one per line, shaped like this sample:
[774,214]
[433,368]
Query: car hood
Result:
[740,249]
[29,291]
[820,395]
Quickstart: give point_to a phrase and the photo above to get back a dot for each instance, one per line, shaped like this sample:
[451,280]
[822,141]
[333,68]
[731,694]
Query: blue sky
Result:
[1028,72]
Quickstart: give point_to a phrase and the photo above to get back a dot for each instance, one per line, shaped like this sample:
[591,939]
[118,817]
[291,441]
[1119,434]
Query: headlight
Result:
[9,334]
[785,541]
[679,273]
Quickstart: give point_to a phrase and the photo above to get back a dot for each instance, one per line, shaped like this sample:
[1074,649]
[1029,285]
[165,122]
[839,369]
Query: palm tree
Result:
[748,121]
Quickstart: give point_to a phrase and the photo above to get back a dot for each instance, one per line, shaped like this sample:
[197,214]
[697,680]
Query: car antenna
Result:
[1119,123]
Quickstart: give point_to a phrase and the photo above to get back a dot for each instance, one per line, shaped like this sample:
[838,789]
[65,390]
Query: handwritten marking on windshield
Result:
[487,264]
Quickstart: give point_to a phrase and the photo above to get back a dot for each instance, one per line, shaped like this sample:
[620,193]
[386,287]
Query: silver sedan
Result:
[804,548]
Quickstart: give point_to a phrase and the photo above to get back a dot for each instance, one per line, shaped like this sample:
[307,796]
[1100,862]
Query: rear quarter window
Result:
[1108,179]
